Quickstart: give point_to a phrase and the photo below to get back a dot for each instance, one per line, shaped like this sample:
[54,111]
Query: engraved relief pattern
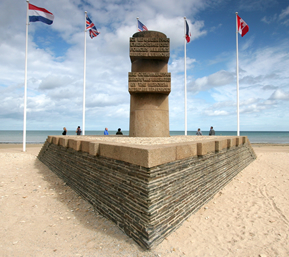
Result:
[149,82]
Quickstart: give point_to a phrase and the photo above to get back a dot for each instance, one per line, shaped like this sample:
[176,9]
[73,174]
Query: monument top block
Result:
[149,45]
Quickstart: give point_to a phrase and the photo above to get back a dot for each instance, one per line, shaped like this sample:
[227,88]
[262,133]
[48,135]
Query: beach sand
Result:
[41,216]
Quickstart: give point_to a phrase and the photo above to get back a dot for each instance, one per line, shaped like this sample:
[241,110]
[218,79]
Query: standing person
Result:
[105,131]
[64,131]
[212,132]
[78,131]
[199,132]
[119,132]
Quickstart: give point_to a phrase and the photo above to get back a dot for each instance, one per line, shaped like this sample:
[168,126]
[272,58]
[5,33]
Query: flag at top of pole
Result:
[39,14]
[141,27]
[242,26]
[188,34]
[93,32]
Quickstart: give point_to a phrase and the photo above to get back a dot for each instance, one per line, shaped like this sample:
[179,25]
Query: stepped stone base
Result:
[148,187]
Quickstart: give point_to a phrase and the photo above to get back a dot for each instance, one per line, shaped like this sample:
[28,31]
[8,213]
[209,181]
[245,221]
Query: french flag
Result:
[188,34]
[39,14]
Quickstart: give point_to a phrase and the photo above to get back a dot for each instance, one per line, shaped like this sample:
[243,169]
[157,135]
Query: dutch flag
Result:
[39,14]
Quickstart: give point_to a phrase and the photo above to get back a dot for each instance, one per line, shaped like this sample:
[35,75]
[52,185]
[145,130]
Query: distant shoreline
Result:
[39,137]
[16,145]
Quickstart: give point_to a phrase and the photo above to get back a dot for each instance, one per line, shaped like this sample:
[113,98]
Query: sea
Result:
[39,136]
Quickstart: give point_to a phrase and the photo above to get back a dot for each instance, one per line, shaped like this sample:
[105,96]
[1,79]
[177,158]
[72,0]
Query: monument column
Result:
[149,85]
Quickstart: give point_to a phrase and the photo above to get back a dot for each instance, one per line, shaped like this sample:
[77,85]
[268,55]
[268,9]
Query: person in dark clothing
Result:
[64,131]
[199,132]
[212,132]
[119,132]
[78,131]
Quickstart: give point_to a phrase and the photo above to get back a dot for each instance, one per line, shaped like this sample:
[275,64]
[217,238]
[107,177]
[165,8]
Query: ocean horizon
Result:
[39,136]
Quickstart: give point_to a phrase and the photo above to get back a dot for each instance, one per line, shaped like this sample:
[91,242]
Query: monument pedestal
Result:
[147,186]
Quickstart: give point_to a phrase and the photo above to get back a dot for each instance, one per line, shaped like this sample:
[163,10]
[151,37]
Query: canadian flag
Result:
[243,27]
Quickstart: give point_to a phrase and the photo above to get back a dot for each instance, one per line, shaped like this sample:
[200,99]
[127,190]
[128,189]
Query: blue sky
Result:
[55,63]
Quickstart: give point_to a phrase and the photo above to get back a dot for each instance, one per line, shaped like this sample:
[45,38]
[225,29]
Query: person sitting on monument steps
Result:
[119,132]
[64,131]
[199,132]
[78,131]
[212,132]
[105,131]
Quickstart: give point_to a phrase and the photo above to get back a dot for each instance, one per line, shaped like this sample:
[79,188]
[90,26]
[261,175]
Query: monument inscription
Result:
[149,82]
[149,48]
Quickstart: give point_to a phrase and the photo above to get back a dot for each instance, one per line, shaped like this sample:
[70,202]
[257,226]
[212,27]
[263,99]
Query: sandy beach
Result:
[41,216]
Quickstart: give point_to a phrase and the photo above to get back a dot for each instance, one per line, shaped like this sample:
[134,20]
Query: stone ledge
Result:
[148,155]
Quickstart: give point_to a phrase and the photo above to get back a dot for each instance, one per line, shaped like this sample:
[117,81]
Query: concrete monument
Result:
[149,85]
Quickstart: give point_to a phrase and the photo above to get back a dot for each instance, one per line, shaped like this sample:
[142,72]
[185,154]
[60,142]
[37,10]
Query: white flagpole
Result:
[185,57]
[25,82]
[84,77]
[237,70]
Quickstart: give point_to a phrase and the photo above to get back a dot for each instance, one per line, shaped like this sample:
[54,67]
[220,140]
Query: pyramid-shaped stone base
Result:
[147,186]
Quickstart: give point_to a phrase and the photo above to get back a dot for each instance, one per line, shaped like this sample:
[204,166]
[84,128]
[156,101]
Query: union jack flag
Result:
[141,27]
[91,28]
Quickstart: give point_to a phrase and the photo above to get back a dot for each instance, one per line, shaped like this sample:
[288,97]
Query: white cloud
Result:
[284,13]
[283,17]
[177,65]
[54,81]
[269,20]
[279,95]
[217,79]
[216,113]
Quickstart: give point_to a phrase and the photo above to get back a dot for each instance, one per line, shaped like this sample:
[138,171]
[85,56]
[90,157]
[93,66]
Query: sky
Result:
[56,62]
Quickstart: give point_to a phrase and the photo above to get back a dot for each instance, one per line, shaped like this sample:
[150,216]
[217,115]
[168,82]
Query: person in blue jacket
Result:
[105,131]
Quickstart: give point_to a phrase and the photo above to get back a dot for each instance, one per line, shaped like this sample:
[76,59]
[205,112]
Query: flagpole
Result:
[137,23]
[25,81]
[237,71]
[84,77]
[185,58]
